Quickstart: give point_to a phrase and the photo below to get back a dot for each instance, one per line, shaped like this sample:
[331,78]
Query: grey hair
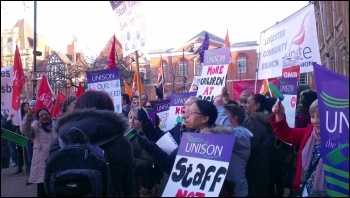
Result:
[313,107]
[193,99]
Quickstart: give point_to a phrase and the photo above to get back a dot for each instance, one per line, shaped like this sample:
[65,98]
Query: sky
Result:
[169,23]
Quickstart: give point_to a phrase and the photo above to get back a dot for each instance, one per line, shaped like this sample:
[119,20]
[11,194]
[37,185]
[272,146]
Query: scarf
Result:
[306,155]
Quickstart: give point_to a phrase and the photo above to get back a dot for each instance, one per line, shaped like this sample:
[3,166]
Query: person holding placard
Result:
[200,116]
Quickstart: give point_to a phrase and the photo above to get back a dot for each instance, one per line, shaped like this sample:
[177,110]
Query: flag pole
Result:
[138,78]
[257,66]
[163,83]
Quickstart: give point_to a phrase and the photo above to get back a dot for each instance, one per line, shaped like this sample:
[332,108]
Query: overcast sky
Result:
[169,23]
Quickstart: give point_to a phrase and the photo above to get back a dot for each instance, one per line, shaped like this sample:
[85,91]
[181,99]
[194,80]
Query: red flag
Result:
[56,110]
[128,89]
[18,80]
[111,60]
[227,44]
[45,94]
[134,84]
[80,90]
[265,90]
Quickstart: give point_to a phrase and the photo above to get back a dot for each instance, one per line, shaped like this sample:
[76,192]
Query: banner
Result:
[107,80]
[162,110]
[195,84]
[295,37]
[214,71]
[333,103]
[131,26]
[177,101]
[200,166]
[289,88]
[249,85]
[6,94]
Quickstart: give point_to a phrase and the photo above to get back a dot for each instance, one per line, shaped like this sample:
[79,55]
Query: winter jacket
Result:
[101,125]
[295,136]
[258,164]
[41,144]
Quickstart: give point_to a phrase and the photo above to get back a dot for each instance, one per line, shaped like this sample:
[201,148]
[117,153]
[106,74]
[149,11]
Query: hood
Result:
[218,130]
[96,124]
[263,117]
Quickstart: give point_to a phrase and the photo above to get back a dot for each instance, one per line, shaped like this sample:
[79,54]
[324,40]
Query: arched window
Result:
[183,67]
[242,64]
[165,64]
[199,67]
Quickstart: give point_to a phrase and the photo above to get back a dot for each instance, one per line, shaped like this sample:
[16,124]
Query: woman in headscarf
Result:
[309,179]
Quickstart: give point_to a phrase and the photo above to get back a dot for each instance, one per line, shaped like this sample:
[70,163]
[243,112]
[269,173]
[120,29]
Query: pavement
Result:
[14,185]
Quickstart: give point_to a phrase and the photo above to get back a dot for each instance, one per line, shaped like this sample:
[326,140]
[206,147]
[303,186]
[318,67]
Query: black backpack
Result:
[78,169]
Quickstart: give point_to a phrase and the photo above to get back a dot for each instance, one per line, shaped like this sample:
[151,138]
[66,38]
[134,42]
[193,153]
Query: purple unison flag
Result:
[333,103]
[203,47]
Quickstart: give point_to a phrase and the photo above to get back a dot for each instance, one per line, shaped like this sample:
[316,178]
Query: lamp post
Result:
[240,71]
[183,64]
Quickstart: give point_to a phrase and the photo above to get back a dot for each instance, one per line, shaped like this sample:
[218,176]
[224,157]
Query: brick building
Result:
[332,21]
[180,65]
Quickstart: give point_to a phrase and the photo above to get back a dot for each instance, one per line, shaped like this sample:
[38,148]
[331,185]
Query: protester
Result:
[40,132]
[310,178]
[303,118]
[6,123]
[144,98]
[201,116]
[22,152]
[147,176]
[241,150]
[167,96]
[257,122]
[242,102]
[245,94]
[94,114]
[126,104]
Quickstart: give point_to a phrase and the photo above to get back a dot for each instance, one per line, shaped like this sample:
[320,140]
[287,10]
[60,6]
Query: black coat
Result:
[100,125]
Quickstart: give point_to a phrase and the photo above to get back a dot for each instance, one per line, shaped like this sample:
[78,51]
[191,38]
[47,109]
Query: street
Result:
[14,185]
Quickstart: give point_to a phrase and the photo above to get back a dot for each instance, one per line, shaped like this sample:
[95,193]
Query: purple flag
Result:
[203,47]
[333,104]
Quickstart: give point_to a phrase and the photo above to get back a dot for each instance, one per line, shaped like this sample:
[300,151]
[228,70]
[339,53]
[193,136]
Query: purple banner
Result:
[288,86]
[152,117]
[208,146]
[333,103]
[103,75]
[179,99]
[219,56]
[160,106]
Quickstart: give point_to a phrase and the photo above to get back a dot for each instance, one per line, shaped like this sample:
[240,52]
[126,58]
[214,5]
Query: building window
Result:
[183,67]
[303,79]
[199,67]
[9,45]
[242,64]
[165,64]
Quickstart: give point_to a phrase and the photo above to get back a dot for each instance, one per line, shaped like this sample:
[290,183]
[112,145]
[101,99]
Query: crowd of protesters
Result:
[139,167]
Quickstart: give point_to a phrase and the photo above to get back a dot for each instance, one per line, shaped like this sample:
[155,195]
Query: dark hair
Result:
[232,102]
[93,99]
[309,97]
[66,103]
[236,110]
[260,99]
[207,109]
[269,103]
[23,104]
[126,97]
[42,109]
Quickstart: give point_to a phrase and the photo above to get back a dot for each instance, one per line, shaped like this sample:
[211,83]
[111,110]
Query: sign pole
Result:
[138,78]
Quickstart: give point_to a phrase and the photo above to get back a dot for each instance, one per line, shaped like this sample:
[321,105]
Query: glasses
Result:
[193,112]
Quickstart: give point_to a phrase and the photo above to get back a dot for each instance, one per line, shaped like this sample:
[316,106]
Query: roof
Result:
[211,36]
[244,44]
